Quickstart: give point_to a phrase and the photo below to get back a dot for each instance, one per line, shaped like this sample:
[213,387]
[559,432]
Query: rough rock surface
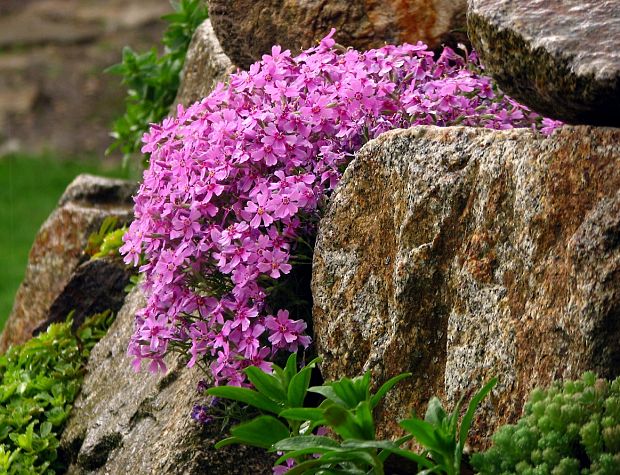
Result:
[461,254]
[58,249]
[248,28]
[144,423]
[206,64]
[560,58]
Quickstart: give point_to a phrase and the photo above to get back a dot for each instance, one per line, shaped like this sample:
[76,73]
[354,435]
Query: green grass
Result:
[30,187]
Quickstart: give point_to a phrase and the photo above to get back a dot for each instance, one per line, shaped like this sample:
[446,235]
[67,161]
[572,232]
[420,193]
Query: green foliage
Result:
[152,81]
[39,381]
[347,412]
[571,428]
[107,240]
[439,432]
[285,388]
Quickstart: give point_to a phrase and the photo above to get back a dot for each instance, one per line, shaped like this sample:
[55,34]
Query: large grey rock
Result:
[141,422]
[461,254]
[248,28]
[58,249]
[559,57]
[206,64]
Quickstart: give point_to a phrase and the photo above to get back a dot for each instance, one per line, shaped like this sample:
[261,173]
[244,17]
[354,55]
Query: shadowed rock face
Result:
[58,249]
[96,286]
[560,58]
[141,422]
[206,64]
[248,28]
[460,254]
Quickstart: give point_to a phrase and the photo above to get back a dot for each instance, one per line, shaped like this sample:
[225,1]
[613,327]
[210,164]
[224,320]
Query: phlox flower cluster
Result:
[234,179]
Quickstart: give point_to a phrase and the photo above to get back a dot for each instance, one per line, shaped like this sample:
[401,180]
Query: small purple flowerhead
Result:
[202,386]
[200,414]
[281,469]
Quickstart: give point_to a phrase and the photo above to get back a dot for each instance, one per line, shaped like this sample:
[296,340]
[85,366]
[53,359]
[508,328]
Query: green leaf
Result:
[266,384]
[45,429]
[385,388]
[363,417]
[302,442]
[343,422]
[421,430]
[228,441]
[298,387]
[290,369]
[302,414]
[355,456]
[246,396]
[362,386]
[435,413]
[383,455]
[346,391]
[454,417]
[390,447]
[329,393]
[303,445]
[304,467]
[262,431]
[471,409]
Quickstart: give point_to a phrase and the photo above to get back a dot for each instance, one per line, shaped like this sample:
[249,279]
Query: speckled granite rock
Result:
[559,57]
[206,64]
[248,28]
[141,422]
[58,248]
[460,254]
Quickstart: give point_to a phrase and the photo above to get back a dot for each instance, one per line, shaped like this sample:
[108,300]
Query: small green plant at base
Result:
[346,411]
[572,428]
[285,388]
[152,81]
[39,381]
[440,433]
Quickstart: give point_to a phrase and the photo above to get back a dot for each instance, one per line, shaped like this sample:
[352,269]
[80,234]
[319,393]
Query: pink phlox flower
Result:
[260,211]
[284,331]
[243,316]
[249,342]
[155,330]
[199,335]
[274,263]
[285,204]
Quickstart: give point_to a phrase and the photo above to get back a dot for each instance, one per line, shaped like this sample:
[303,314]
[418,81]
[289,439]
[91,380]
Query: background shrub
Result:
[39,381]
[152,81]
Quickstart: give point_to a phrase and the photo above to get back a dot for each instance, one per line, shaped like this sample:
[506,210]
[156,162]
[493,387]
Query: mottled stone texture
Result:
[248,28]
[58,249]
[141,422]
[206,64]
[559,57]
[460,254]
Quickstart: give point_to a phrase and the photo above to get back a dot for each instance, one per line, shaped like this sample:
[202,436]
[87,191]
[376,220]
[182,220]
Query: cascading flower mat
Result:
[234,179]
